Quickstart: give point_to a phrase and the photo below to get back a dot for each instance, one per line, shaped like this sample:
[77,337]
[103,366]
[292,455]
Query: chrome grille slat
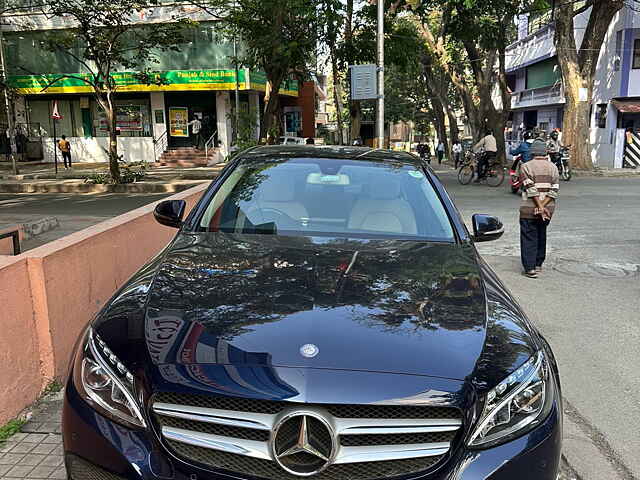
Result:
[239,446]
[412,439]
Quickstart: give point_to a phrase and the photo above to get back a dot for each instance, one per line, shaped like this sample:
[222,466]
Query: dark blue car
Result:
[323,313]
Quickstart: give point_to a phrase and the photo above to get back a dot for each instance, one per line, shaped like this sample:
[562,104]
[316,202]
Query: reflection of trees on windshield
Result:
[231,285]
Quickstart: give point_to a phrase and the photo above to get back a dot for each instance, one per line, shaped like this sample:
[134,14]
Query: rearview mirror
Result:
[170,212]
[486,228]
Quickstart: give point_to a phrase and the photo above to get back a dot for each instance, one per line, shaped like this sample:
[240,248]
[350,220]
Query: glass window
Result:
[636,54]
[133,118]
[39,112]
[601,115]
[618,58]
[328,197]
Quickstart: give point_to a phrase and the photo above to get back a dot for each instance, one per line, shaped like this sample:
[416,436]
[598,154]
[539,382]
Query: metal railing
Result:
[15,235]
[210,144]
[538,95]
[160,145]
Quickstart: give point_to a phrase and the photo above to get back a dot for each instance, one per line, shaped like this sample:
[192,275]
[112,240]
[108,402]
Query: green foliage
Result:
[10,428]
[129,173]
[247,124]
[52,387]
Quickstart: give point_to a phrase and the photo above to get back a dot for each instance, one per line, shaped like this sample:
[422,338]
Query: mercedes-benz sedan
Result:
[322,312]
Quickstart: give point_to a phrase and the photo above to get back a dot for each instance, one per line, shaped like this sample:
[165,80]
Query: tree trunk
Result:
[355,112]
[441,127]
[578,72]
[114,167]
[337,98]
[270,127]
[454,134]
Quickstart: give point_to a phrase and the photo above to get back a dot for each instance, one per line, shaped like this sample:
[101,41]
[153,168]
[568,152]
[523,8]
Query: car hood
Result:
[213,301]
[402,307]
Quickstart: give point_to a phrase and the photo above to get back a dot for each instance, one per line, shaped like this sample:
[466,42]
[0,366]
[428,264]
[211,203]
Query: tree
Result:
[279,36]
[578,66]
[105,40]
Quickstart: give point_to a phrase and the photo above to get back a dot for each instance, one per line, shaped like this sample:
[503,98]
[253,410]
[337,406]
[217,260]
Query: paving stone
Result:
[19,471]
[52,460]
[58,450]
[53,438]
[60,473]
[32,459]
[22,447]
[41,472]
[11,458]
[44,448]
[4,469]
[7,446]
[35,437]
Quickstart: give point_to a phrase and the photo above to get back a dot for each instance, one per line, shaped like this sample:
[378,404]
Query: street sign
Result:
[363,82]
[56,115]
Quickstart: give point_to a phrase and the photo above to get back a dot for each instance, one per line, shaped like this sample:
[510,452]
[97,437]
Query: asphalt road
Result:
[73,211]
[587,304]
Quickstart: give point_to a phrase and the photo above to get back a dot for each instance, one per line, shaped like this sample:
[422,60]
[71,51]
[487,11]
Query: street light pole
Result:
[10,126]
[380,51]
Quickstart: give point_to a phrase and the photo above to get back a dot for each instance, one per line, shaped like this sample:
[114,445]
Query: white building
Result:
[536,82]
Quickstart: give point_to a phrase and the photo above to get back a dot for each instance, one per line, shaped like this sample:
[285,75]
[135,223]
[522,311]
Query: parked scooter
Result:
[514,177]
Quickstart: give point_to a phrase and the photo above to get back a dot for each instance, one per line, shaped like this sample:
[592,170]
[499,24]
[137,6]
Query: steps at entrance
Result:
[184,157]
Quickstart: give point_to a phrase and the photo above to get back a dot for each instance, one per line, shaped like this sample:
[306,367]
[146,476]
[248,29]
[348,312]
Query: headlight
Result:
[105,383]
[516,405]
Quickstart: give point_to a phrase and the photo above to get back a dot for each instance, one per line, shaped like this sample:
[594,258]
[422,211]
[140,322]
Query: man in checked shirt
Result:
[540,181]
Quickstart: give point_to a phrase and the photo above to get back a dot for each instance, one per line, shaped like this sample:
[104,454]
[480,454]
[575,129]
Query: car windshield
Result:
[328,197]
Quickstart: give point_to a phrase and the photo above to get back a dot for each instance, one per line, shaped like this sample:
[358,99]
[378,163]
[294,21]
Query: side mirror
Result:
[170,212]
[486,228]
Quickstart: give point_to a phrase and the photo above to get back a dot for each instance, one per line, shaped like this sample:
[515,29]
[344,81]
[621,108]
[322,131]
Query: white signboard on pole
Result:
[363,82]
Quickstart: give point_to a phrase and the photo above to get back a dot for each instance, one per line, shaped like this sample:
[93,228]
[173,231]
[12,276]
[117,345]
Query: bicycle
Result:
[494,174]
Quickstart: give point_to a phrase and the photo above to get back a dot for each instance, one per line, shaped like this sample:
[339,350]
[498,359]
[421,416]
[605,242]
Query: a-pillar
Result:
[254,107]
[223,110]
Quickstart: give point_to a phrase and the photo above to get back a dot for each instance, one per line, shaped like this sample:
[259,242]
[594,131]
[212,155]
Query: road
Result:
[586,304]
[73,211]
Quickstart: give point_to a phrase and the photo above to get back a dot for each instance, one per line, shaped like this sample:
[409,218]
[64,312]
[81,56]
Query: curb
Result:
[141,187]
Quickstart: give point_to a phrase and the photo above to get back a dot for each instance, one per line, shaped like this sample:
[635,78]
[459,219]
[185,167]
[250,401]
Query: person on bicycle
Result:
[489,146]
[524,149]
[554,146]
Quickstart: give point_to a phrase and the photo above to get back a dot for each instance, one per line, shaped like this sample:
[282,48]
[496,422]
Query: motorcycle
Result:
[514,177]
[563,162]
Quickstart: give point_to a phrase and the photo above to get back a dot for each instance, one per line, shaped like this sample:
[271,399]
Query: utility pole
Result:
[380,48]
[10,126]
[235,61]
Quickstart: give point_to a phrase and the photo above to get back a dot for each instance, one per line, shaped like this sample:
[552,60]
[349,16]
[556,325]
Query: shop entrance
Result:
[530,119]
[181,109]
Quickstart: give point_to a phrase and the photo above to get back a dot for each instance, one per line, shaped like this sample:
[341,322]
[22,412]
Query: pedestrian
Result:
[540,183]
[487,147]
[65,148]
[196,131]
[440,151]
[457,153]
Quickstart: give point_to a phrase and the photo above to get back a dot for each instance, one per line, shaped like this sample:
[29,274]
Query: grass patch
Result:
[10,428]
[53,387]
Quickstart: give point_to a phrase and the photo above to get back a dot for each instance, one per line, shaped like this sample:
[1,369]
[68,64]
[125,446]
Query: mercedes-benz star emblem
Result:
[303,444]
[309,350]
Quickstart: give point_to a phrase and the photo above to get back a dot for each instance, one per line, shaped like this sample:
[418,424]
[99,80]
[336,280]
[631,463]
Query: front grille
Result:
[397,439]
[80,469]
[338,411]
[235,434]
[266,469]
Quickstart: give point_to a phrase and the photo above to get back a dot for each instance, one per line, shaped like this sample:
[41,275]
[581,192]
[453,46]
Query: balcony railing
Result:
[538,96]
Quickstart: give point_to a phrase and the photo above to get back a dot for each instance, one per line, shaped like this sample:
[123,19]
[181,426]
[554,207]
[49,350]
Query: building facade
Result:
[538,96]
[197,82]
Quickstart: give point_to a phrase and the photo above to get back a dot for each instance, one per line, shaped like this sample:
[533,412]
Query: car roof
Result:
[364,154]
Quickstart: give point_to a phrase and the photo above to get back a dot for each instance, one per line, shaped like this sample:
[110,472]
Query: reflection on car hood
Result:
[383,306]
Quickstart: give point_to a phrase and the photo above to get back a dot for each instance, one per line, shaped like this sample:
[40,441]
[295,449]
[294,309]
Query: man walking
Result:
[65,148]
[540,181]
[457,153]
[440,152]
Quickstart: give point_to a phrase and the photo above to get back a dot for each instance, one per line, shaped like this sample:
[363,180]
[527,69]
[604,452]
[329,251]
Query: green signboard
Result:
[173,80]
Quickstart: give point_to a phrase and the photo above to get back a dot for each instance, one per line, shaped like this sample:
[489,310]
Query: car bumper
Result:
[95,447]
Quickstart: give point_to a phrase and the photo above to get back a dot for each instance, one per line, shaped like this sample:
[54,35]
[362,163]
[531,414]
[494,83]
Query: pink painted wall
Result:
[20,374]
[61,287]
